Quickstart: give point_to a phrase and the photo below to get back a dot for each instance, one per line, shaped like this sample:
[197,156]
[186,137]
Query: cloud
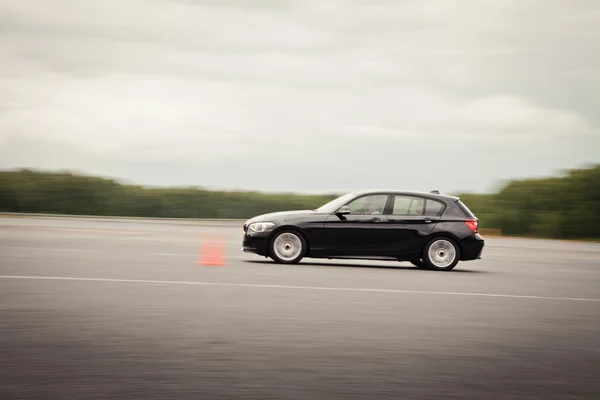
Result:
[283,83]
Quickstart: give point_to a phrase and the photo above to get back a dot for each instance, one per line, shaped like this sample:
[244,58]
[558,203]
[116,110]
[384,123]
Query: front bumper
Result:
[256,243]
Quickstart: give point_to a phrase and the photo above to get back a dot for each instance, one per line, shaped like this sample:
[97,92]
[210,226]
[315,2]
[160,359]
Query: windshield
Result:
[333,205]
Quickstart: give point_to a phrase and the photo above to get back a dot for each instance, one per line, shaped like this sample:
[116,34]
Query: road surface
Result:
[96,309]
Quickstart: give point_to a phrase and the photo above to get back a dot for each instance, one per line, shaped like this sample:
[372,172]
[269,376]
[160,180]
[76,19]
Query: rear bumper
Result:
[472,247]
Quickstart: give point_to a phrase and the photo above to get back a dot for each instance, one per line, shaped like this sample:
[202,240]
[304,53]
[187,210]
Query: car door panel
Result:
[411,221]
[410,232]
[364,231]
[357,235]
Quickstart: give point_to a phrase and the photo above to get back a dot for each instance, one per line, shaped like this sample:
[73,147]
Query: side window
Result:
[366,205]
[433,208]
[408,205]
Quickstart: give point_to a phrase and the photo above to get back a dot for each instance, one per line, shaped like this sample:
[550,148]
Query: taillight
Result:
[472,224]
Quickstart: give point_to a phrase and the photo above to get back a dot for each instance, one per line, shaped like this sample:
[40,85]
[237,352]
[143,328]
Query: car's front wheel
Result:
[441,254]
[287,247]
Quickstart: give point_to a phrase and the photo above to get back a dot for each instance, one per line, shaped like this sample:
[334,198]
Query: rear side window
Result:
[433,208]
[465,209]
[411,205]
[408,205]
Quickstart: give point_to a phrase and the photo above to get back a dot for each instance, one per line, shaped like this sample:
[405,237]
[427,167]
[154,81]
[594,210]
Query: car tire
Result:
[287,247]
[441,254]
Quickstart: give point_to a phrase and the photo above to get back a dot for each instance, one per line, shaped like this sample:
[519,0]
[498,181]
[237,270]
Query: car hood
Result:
[280,216]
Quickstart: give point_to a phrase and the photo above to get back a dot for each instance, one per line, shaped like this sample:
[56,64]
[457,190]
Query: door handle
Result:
[428,220]
[377,219]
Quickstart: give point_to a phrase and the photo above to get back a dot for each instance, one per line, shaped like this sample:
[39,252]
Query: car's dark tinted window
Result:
[366,205]
[433,208]
[465,209]
[408,205]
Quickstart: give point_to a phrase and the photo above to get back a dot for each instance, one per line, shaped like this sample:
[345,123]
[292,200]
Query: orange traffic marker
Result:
[212,253]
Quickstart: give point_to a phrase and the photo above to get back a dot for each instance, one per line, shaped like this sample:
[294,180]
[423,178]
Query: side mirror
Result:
[343,210]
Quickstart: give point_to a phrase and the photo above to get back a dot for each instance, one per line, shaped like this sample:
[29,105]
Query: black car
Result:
[430,230]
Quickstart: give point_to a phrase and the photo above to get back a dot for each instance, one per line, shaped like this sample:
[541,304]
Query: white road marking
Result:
[578,270]
[170,254]
[91,251]
[51,249]
[198,243]
[521,258]
[121,253]
[314,288]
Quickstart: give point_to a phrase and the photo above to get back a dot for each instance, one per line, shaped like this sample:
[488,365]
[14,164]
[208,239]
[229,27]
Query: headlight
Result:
[259,227]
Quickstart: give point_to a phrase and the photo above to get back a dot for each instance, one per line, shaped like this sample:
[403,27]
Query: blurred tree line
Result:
[31,191]
[566,206]
[562,207]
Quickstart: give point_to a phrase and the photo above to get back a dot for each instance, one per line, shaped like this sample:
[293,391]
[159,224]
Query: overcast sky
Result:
[301,95]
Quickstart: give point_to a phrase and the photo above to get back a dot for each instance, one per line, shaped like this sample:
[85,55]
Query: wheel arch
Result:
[443,235]
[293,228]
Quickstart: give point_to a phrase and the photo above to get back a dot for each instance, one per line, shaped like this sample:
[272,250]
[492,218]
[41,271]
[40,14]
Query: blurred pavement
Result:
[142,320]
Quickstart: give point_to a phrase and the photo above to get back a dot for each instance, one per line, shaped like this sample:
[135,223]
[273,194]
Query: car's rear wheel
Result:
[287,247]
[441,254]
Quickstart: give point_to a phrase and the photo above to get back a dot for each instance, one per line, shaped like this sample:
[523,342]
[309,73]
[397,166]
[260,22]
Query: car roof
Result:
[431,195]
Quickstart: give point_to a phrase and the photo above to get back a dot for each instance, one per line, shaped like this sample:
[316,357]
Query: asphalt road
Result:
[121,310]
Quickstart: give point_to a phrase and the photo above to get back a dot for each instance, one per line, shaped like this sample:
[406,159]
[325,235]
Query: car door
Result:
[362,232]
[411,220]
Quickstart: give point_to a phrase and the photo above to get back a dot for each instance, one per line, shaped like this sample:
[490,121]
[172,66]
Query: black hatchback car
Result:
[430,230]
